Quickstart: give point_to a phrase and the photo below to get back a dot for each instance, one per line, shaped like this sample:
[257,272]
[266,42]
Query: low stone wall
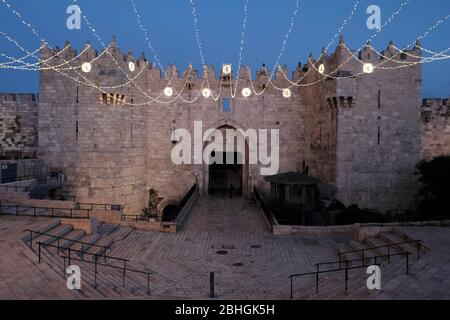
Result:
[179,221]
[23,198]
[279,229]
[87,225]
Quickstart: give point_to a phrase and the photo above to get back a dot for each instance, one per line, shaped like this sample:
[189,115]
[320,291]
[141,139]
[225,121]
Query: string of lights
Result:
[206,92]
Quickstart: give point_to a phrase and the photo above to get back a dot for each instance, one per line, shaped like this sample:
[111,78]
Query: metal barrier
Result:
[45,212]
[69,257]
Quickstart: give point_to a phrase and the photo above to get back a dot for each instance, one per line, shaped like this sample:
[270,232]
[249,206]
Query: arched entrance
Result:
[232,173]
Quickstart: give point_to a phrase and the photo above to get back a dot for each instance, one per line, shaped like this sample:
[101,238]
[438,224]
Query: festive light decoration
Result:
[368,68]
[131,66]
[86,67]
[322,68]
[246,92]
[168,91]
[206,93]
[226,69]
[287,93]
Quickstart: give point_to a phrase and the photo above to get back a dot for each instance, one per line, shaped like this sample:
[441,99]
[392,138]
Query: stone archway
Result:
[230,172]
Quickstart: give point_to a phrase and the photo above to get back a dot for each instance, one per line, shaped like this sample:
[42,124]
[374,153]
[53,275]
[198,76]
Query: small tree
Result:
[435,190]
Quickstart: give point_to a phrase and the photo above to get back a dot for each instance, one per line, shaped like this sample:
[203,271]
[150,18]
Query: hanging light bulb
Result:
[368,68]
[322,68]
[206,93]
[131,66]
[168,91]
[86,67]
[246,92]
[287,93]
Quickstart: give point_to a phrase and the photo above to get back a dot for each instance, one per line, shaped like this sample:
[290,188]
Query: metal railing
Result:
[346,269]
[418,244]
[45,212]
[69,257]
[422,221]
[7,188]
[267,212]
[83,244]
[98,206]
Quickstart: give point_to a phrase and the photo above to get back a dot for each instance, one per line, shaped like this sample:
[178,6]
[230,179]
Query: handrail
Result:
[15,188]
[55,212]
[66,239]
[105,206]
[124,268]
[318,272]
[183,201]
[417,242]
[267,212]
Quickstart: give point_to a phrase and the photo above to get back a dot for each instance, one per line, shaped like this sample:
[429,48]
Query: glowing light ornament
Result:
[131,66]
[226,69]
[322,68]
[168,91]
[206,93]
[368,68]
[287,93]
[246,92]
[86,67]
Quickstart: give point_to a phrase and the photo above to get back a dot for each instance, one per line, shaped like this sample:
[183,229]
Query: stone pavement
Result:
[254,264]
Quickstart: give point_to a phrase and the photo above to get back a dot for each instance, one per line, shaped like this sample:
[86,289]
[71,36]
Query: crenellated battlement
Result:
[18,98]
[103,64]
[435,108]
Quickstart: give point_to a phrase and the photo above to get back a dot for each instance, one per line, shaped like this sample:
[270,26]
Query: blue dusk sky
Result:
[170,27]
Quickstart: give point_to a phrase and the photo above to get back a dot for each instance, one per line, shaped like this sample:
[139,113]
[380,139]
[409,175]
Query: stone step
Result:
[349,256]
[73,236]
[391,238]
[396,231]
[44,229]
[376,243]
[59,231]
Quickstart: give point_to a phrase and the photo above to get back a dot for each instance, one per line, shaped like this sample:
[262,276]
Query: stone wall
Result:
[18,124]
[435,128]
[358,132]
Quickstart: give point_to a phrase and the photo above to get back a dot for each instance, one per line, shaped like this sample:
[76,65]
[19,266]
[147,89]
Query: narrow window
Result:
[379,135]
[77,94]
[226,107]
[105,98]
[76,131]
[379,99]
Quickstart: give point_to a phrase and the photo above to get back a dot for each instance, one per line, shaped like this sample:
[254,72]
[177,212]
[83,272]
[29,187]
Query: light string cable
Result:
[147,36]
[34,31]
[200,49]
[19,60]
[325,76]
[88,83]
[282,51]
[332,41]
[100,40]
[156,59]
[436,55]
[387,59]
[241,49]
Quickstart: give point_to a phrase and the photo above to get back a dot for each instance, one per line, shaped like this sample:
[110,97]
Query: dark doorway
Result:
[226,177]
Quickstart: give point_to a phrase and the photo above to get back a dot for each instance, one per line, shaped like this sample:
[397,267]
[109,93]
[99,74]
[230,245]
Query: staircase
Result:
[395,269]
[56,239]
